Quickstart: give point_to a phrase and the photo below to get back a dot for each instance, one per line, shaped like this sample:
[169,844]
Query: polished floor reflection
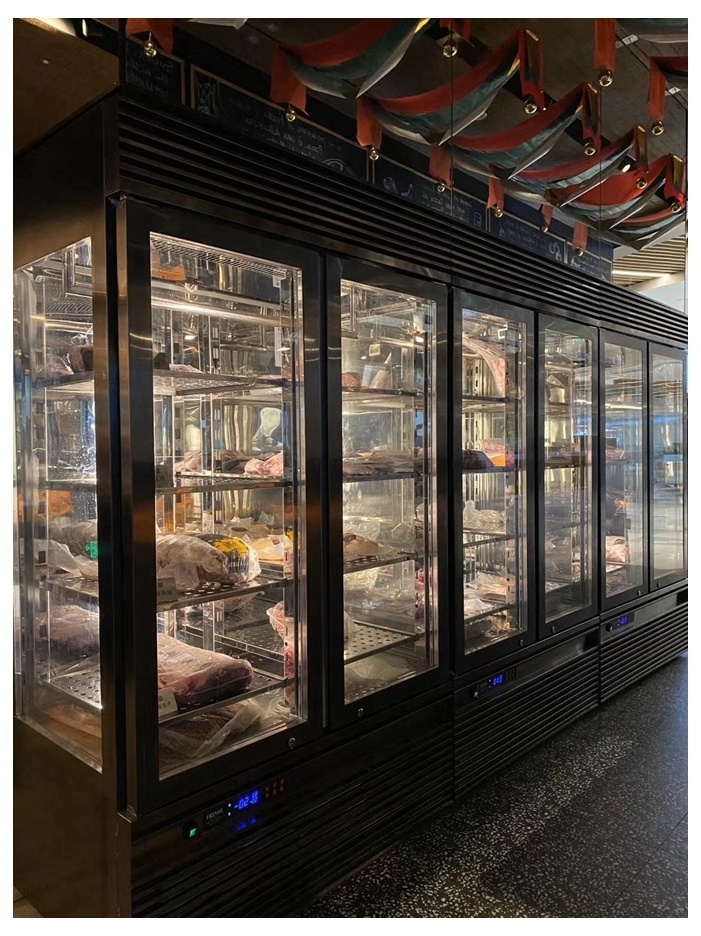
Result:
[592,824]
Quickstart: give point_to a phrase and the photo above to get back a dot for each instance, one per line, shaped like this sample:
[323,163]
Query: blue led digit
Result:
[255,797]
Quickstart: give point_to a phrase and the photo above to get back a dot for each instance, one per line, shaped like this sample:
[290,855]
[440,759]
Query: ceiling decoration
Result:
[598,190]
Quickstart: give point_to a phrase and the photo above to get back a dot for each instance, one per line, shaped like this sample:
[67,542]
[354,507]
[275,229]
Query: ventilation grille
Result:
[491,733]
[175,153]
[276,870]
[629,656]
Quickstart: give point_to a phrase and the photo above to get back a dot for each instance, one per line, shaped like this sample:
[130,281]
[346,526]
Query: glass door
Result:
[57,611]
[623,468]
[219,487]
[491,461]
[568,399]
[668,466]
[383,425]
[228,395]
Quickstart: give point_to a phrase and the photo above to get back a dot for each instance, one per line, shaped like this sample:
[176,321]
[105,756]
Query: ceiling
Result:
[662,259]
[57,75]
[568,47]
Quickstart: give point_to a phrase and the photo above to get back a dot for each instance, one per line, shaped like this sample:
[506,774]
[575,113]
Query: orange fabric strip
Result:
[160,29]
[580,235]
[344,46]
[605,44]
[285,86]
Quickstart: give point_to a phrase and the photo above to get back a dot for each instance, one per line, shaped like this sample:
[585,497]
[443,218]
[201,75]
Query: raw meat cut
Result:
[75,535]
[191,461]
[204,733]
[186,558]
[73,630]
[272,467]
[81,357]
[616,549]
[472,459]
[60,558]
[241,560]
[350,379]
[54,367]
[358,547]
[198,677]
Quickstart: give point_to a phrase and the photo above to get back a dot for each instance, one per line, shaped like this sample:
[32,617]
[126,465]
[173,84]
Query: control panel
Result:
[493,682]
[621,621]
[242,811]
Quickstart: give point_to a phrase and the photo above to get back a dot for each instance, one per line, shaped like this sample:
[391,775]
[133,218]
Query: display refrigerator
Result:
[386,401]
[668,465]
[623,498]
[216,650]
[568,454]
[494,491]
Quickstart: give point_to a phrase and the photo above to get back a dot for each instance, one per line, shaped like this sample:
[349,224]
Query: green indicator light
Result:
[91,549]
[193,832]
[190,830]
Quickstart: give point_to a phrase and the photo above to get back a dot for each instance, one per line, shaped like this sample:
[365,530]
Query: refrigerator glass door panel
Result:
[567,387]
[228,390]
[624,469]
[493,465]
[668,451]
[389,479]
[57,608]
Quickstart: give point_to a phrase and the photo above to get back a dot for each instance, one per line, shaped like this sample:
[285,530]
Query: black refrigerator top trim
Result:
[174,155]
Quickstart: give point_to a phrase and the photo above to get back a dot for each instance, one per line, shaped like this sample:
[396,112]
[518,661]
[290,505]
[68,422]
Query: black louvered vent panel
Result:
[274,871]
[493,732]
[180,153]
[628,657]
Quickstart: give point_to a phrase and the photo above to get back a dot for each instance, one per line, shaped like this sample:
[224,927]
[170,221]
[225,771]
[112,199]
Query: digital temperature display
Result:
[248,799]
[496,680]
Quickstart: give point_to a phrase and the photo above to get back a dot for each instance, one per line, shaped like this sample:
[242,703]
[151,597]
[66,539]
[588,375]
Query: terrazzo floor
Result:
[592,824]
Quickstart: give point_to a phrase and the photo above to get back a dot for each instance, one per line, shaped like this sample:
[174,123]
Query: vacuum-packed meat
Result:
[198,677]
[272,467]
[189,560]
[241,559]
[70,629]
[616,549]
[77,535]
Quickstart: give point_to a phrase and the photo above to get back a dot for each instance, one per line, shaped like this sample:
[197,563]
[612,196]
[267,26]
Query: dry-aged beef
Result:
[75,535]
[198,677]
[54,367]
[241,559]
[473,459]
[350,379]
[70,629]
[186,558]
[81,357]
[272,467]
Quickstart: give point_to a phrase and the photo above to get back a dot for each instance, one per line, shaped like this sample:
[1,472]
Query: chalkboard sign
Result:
[258,120]
[161,76]
[527,237]
[592,264]
[398,180]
